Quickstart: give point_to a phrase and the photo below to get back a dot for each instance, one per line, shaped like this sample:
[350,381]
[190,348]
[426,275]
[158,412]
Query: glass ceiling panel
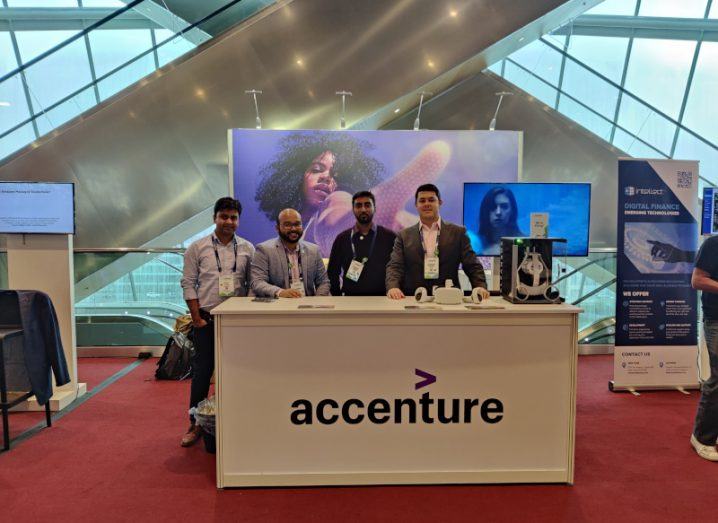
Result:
[701,113]
[614,7]
[605,55]
[689,147]
[34,43]
[673,8]
[103,3]
[658,72]
[541,60]
[714,10]
[7,54]
[42,3]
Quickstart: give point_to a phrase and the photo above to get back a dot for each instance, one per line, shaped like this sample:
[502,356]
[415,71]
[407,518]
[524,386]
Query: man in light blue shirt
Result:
[216,267]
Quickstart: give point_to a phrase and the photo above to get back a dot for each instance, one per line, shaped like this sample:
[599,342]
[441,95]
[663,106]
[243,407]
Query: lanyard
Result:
[215,241]
[423,245]
[371,247]
[299,264]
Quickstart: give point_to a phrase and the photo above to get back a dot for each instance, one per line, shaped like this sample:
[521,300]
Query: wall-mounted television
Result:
[37,208]
[710,211]
[493,210]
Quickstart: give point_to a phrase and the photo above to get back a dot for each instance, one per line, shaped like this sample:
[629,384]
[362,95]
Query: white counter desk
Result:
[329,396]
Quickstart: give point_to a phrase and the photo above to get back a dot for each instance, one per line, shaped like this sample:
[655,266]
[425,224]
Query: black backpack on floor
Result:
[176,360]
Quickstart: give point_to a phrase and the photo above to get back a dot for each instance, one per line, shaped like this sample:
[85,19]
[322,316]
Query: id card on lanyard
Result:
[297,285]
[227,282]
[356,267]
[431,260]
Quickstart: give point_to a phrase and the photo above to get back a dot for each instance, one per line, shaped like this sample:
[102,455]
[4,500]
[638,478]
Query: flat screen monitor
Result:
[37,208]
[710,210]
[494,210]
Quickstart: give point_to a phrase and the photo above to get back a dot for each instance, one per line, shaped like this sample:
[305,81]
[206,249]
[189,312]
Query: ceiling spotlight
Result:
[5,104]
[300,61]
[397,110]
[453,13]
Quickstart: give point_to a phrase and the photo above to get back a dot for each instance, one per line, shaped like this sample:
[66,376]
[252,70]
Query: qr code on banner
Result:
[685,179]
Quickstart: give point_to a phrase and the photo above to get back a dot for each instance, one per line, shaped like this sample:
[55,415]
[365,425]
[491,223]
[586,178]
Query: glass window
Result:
[103,3]
[689,147]
[112,48]
[714,10]
[658,71]
[497,67]
[541,60]
[644,122]
[126,76]
[701,113]
[614,7]
[630,145]
[673,8]
[7,54]
[588,88]
[16,140]
[586,117]
[34,43]
[42,3]
[58,75]
[13,104]
[169,50]
[529,83]
[66,111]
[603,54]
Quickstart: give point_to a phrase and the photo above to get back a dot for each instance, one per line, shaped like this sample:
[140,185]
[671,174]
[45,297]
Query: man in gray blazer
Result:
[286,267]
[430,252]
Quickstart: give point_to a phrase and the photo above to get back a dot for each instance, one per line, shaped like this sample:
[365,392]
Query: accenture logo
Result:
[378,411]
[629,190]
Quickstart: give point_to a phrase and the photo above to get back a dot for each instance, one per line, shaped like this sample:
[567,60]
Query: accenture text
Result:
[400,410]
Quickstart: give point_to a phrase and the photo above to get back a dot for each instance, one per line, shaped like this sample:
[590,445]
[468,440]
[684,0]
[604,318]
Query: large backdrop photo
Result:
[316,172]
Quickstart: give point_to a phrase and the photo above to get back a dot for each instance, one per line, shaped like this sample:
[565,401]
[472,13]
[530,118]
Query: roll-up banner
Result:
[656,315]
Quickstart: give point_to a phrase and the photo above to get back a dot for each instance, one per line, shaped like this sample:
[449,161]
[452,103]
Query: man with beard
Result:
[360,254]
[287,267]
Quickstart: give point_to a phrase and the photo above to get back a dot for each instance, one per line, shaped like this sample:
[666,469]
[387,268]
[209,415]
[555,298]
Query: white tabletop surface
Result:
[365,304]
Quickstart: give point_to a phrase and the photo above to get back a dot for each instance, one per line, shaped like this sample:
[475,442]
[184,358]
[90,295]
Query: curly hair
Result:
[283,178]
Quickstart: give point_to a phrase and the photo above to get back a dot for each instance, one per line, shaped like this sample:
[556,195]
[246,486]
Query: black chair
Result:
[11,327]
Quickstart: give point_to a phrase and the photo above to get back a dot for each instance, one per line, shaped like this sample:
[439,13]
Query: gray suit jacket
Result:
[405,269]
[270,272]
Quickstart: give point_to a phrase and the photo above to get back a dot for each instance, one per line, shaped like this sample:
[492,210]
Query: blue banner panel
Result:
[657,240]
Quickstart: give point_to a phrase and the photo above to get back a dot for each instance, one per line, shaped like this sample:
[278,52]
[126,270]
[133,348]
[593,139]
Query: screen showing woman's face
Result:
[500,213]
[319,180]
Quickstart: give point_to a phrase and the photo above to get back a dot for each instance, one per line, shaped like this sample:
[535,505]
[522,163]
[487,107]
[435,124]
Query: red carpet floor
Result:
[117,458]
[91,371]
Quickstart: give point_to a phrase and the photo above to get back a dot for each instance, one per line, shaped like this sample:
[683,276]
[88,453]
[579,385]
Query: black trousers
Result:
[202,362]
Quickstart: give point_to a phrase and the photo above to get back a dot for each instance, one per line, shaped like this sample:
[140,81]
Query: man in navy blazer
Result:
[286,267]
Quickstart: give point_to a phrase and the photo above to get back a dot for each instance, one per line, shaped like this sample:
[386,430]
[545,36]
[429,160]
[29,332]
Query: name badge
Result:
[226,285]
[355,269]
[431,267]
[298,286]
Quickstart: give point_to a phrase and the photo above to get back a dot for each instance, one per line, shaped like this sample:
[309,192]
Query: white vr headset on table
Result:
[447,295]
